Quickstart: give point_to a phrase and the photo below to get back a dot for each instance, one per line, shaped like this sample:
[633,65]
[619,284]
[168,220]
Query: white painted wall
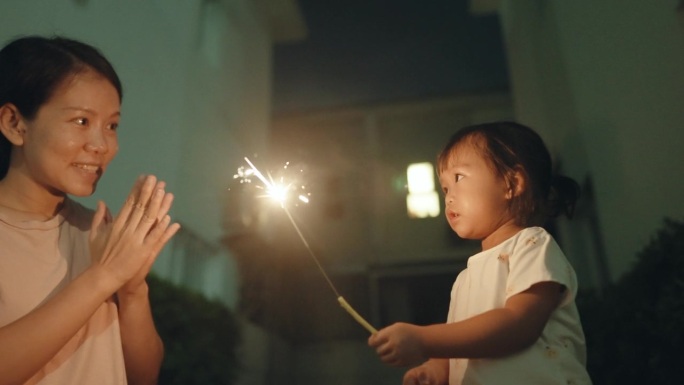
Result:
[602,81]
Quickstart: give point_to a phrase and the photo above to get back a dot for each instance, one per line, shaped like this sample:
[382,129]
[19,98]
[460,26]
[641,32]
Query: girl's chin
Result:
[464,233]
[460,232]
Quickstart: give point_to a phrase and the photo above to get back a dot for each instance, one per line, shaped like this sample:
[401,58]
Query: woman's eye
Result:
[81,121]
[113,126]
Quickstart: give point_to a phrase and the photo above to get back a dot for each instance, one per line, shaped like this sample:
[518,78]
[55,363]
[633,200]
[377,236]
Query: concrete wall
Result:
[602,81]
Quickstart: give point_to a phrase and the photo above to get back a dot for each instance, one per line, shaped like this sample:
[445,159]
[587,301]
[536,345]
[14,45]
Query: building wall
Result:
[197,96]
[601,81]
[355,162]
[197,93]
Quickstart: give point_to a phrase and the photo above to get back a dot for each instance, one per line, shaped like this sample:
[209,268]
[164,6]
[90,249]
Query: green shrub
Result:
[635,329]
[200,336]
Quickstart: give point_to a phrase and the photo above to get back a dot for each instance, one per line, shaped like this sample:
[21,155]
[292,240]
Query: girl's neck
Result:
[20,196]
[502,233]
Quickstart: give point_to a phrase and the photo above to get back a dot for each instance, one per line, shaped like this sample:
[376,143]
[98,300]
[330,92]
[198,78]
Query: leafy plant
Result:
[200,336]
[635,329]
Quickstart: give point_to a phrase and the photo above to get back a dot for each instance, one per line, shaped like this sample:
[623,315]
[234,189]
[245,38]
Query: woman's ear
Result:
[516,184]
[12,124]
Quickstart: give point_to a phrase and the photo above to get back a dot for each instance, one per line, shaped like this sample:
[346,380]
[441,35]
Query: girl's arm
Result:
[434,371]
[495,333]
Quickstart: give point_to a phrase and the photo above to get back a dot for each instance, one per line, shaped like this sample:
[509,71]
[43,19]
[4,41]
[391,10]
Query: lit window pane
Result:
[422,205]
[421,178]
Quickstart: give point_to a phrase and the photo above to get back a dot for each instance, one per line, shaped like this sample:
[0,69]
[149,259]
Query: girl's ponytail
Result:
[563,195]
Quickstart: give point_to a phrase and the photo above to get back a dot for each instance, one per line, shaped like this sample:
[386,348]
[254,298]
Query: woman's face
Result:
[68,145]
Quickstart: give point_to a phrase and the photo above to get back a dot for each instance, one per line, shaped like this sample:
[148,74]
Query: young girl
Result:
[512,317]
[74,307]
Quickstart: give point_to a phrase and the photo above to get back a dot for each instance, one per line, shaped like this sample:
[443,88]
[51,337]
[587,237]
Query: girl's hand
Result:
[398,345]
[433,372]
[127,246]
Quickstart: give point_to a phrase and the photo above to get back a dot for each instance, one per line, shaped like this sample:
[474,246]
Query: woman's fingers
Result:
[162,232]
[142,201]
[139,232]
[98,219]
[129,204]
[151,211]
[165,206]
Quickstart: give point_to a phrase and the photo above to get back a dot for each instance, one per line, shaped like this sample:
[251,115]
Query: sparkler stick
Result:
[279,192]
[345,305]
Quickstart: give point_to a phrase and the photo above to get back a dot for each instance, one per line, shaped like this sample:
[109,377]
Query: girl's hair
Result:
[31,69]
[512,147]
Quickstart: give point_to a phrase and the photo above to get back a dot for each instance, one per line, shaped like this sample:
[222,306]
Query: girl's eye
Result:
[113,126]
[458,177]
[81,121]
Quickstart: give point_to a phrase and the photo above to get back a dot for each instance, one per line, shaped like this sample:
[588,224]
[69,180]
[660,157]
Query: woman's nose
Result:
[96,142]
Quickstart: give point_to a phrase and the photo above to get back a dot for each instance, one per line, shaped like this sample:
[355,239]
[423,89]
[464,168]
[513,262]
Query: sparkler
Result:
[279,191]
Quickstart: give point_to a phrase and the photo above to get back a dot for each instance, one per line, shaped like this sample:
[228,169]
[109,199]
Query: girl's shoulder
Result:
[533,238]
[534,231]
[529,235]
[525,237]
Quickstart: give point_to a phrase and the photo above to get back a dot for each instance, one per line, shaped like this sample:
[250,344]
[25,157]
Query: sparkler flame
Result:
[280,192]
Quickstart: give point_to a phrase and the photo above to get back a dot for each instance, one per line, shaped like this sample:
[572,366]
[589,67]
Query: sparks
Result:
[280,192]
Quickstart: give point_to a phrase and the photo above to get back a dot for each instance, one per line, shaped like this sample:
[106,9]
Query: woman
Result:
[74,307]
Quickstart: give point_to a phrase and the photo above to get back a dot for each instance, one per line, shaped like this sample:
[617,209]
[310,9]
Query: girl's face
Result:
[69,143]
[476,197]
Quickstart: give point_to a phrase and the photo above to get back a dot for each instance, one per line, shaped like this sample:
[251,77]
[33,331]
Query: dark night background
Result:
[377,51]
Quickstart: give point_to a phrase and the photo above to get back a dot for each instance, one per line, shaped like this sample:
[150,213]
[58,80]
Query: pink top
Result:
[39,258]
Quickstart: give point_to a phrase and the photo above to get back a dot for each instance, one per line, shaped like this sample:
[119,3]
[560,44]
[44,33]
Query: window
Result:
[422,200]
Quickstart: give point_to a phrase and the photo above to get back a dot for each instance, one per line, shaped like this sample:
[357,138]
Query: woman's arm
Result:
[30,342]
[121,251]
[142,347]
[495,333]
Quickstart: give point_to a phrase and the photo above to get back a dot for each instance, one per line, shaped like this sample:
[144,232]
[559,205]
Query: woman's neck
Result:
[26,197]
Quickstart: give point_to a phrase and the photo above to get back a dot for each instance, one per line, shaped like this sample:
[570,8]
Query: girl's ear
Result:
[12,124]
[516,184]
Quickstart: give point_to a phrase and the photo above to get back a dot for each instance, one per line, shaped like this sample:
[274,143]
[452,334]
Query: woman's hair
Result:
[33,67]
[512,147]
